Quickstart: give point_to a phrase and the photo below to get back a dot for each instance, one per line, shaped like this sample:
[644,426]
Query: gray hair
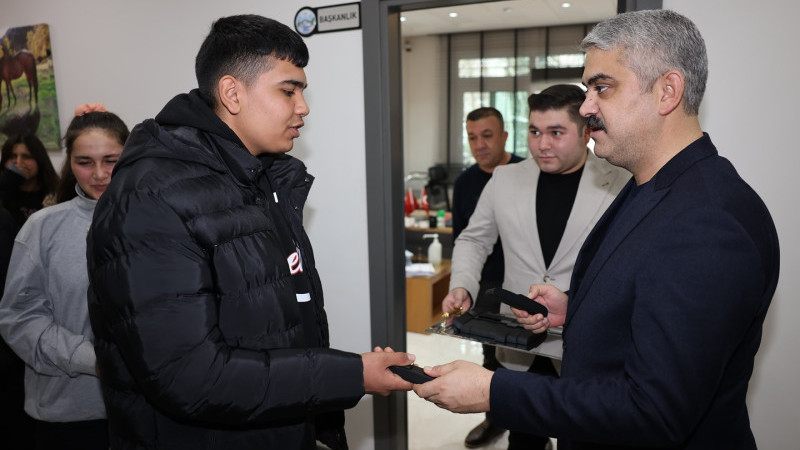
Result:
[654,42]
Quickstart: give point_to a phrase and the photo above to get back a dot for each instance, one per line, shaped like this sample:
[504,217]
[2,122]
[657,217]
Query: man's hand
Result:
[460,386]
[378,379]
[457,298]
[553,299]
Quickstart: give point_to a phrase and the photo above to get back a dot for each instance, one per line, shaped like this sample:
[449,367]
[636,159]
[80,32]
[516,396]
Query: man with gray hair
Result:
[665,308]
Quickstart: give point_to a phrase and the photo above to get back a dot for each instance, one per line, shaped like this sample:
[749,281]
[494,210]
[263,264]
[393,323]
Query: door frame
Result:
[383,121]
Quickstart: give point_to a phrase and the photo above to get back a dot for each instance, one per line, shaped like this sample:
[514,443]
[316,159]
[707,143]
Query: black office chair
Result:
[437,188]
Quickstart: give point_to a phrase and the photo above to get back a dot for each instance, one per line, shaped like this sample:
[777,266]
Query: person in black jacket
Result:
[27,176]
[205,300]
[16,427]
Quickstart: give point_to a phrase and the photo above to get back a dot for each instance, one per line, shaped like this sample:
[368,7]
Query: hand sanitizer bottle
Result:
[434,250]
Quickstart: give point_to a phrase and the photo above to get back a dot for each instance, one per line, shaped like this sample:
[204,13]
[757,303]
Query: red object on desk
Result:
[410,202]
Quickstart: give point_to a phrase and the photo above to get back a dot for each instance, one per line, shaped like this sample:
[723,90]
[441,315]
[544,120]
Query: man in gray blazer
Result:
[542,209]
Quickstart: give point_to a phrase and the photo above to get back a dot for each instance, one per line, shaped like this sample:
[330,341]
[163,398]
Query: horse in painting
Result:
[13,67]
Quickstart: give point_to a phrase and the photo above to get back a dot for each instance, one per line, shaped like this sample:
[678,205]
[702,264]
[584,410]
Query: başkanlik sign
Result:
[342,17]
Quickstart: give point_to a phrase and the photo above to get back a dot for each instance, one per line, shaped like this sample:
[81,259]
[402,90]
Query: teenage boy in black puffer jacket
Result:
[205,299]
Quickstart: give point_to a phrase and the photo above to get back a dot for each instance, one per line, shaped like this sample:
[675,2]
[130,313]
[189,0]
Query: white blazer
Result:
[507,208]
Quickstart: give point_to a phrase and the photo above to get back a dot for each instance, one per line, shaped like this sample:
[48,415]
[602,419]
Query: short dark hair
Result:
[560,96]
[245,46]
[484,112]
[47,177]
[108,122]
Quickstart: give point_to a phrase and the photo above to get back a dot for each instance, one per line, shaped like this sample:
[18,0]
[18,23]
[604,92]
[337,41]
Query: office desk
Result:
[424,297]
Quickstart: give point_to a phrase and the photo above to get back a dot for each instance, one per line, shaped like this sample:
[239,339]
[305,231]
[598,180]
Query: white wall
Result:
[750,111]
[424,111]
[135,55]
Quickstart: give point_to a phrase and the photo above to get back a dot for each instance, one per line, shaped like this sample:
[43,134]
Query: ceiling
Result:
[509,14]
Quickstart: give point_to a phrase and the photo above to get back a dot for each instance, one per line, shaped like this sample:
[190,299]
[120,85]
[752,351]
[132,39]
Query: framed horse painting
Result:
[27,86]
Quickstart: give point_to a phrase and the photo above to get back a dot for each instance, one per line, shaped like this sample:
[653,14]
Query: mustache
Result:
[595,124]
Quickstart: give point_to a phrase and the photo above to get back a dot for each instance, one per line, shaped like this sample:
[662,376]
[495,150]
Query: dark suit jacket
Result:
[667,303]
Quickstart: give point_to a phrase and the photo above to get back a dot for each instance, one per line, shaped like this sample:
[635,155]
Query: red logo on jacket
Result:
[295,263]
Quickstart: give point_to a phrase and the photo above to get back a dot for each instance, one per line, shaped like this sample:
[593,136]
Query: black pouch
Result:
[492,328]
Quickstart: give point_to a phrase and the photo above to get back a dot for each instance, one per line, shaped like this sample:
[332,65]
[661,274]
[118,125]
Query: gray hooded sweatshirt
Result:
[44,316]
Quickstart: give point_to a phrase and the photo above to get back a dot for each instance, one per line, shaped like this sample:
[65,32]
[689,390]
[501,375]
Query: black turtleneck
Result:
[555,194]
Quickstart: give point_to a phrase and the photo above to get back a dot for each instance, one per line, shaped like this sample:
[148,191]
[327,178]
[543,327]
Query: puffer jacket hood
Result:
[192,110]
[193,115]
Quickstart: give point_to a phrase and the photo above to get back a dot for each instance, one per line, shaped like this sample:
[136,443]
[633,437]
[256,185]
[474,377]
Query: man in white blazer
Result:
[542,209]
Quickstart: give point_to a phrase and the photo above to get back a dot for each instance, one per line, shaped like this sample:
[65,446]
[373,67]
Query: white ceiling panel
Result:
[509,14]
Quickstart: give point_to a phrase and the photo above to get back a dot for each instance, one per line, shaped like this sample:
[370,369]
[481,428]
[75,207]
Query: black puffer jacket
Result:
[200,340]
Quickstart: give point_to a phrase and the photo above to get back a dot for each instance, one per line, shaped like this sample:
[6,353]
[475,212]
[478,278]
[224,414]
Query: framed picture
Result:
[27,86]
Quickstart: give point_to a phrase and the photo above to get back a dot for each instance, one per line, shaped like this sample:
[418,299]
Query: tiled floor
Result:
[432,428]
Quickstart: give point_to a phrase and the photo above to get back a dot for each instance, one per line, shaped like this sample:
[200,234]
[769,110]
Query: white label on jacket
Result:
[295,261]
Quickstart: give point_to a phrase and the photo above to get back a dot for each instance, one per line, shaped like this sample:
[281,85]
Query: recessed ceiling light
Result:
[566,5]
[403,18]
[453,14]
